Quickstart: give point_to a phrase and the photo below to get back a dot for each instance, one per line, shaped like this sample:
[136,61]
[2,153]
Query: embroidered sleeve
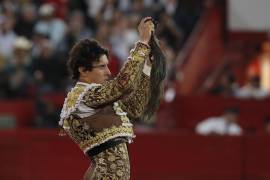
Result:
[135,103]
[111,91]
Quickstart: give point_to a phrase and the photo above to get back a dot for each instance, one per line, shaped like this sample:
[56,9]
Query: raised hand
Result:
[145,28]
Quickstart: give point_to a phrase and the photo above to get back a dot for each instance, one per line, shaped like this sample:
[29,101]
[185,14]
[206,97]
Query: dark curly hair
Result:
[83,54]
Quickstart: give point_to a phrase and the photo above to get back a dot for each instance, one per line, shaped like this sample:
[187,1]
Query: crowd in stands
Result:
[228,87]
[224,83]
[256,84]
[36,36]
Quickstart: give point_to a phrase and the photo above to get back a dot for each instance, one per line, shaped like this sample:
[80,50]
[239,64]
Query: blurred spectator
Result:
[107,10]
[124,5]
[61,7]
[260,66]
[26,21]
[38,39]
[47,24]
[252,89]
[76,30]
[253,68]
[168,29]
[170,6]
[225,124]
[77,26]
[94,7]
[227,86]
[221,81]
[4,90]
[89,8]
[9,7]
[47,115]
[103,33]
[46,69]
[122,37]
[7,35]
[185,14]
[18,68]
[21,51]
[138,7]
[265,67]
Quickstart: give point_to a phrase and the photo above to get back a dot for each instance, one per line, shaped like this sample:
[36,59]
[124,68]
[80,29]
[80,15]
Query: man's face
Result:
[99,73]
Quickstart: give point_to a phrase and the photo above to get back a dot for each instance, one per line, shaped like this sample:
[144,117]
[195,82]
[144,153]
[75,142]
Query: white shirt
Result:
[218,125]
[251,92]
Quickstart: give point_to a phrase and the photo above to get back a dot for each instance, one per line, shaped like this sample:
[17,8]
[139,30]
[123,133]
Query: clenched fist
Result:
[145,28]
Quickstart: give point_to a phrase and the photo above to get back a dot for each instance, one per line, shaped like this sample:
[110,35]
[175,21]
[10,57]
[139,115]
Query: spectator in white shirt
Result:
[221,125]
[48,24]
[252,90]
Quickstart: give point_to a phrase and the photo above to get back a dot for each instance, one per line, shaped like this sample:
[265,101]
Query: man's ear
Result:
[81,70]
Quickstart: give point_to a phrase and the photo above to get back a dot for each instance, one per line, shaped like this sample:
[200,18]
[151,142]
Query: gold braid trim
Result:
[86,140]
[135,103]
[72,97]
[106,135]
[72,100]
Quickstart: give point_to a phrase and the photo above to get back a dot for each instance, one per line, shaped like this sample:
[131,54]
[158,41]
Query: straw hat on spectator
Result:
[22,43]
[46,10]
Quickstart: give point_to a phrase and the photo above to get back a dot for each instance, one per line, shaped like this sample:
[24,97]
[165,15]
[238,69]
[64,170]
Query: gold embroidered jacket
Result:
[127,94]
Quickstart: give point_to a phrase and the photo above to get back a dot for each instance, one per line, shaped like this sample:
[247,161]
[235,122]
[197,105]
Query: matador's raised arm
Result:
[123,83]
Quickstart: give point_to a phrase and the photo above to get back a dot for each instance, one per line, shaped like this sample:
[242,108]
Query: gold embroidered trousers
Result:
[112,164]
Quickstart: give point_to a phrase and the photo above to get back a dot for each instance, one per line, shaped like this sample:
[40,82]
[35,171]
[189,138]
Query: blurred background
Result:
[214,118]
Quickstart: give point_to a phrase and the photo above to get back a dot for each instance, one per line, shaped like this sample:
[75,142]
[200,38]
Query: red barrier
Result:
[257,157]
[54,157]
[56,98]
[41,154]
[22,110]
[190,157]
